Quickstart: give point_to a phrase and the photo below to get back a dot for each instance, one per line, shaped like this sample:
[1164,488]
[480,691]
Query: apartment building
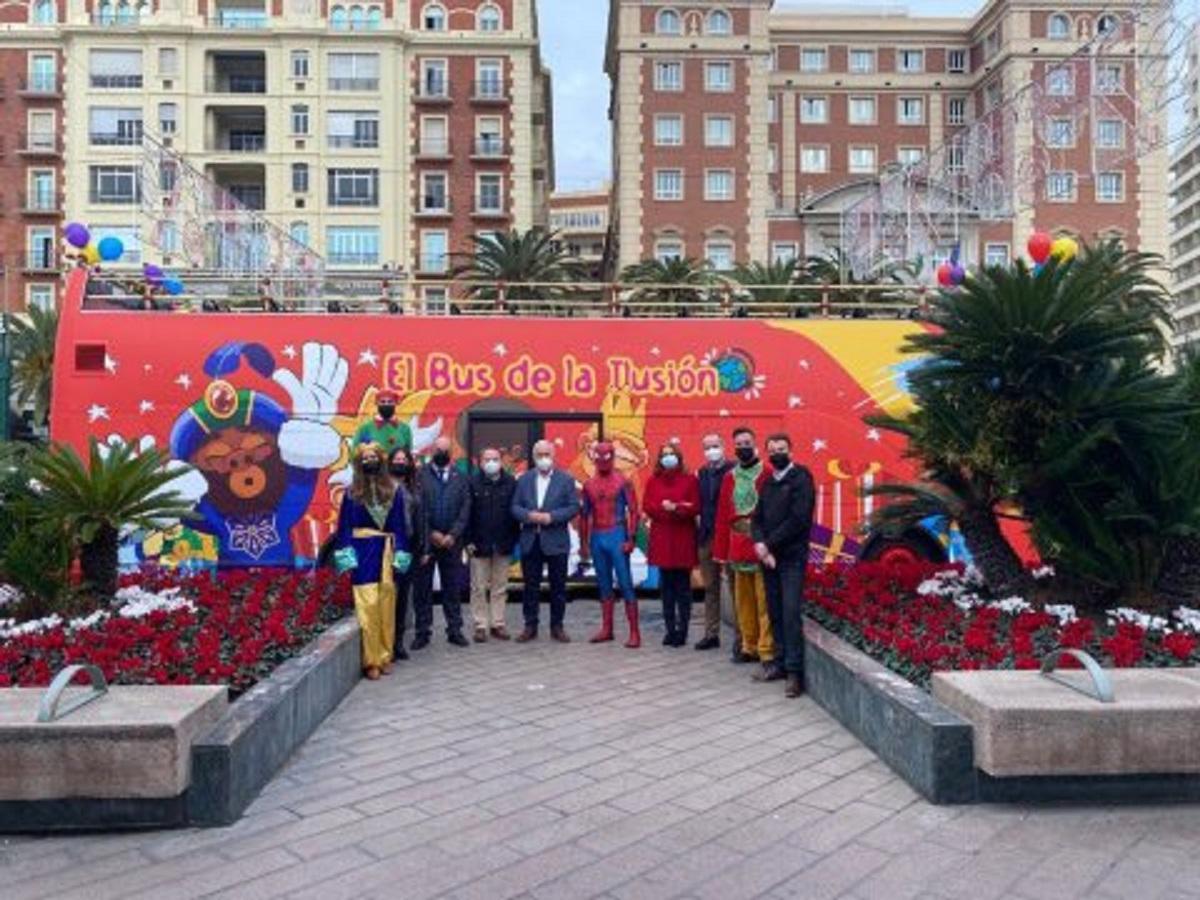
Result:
[580,219]
[1185,210]
[745,131]
[376,133]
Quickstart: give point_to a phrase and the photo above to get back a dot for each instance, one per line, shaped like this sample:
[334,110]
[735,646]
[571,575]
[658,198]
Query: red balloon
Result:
[945,274]
[1039,246]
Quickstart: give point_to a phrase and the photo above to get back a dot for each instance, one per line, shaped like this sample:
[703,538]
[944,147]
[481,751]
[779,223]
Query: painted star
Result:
[146,406]
[723,413]
[184,381]
[289,351]
[368,357]
[654,351]
[820,444]
[804,364]
[147,368]
[500,350]
[96,412]
[110,364]
[595,348]
[795,401]
[873,435]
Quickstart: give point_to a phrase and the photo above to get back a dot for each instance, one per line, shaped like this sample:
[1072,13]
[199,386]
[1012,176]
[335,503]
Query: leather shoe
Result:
[769,672]
[481,635]
[420,642]
[400,653]
[456,638]
[742,657]
[795,687]
[708,643]
[500,633]
[560,634]
[529,634]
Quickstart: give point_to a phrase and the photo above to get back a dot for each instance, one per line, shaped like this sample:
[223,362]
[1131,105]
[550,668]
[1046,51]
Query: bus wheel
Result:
[909,548]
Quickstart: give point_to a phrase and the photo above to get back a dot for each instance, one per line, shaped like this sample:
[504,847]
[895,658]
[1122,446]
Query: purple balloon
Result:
[958,274]
[152,272]
[77,235]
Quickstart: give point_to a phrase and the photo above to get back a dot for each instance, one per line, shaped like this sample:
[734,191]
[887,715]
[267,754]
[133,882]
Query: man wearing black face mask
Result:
[446,506]
[385,429]
[781,525]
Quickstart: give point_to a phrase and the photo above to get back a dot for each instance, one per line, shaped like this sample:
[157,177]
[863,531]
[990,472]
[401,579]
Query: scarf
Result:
[745,488]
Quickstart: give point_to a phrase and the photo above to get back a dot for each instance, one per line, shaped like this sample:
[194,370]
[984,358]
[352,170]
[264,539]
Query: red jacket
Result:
[672,533]
[732,542]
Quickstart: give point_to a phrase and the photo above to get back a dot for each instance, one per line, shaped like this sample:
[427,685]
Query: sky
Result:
[573,33]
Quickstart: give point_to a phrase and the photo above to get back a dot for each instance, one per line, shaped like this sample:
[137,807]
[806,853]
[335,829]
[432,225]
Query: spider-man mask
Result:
[603,455]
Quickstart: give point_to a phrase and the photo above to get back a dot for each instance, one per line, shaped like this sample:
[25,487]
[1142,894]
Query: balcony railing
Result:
[115,82]
[434,263]
[433,148]
[433,92]
[116,18]
[40,85]
[491,90]
[245,143]
[335,258]
[39,144]
[115,138]
[353,142]
[488,207]
[353,84]
[236,84]
[242,19]
[490,148]
[433,207]
[40,202]
[41,260]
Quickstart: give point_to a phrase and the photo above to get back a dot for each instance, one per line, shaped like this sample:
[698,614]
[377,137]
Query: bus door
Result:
[515,432]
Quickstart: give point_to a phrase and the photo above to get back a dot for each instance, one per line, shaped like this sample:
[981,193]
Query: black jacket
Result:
[783,518]
[492,529]
[445,505]
[710,492]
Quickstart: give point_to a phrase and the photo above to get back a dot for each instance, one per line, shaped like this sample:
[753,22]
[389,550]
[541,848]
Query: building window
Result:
[434,80]
[862,110]
[862,160]
[1106,24]
[433,192]
[41,296]
[1060,82]
[434,251]
[41,190]
[43,74]
[1110,187]
[114,126]
[298,232]
[433,17]
[719,22]
[862,62]
[1060,133]
[718,76]
[489,79]
[355,129]
[813,59]
[352,245]
[300,118]
[299,178]
[718,184]
[489,136]
[168,176]
[1109,78]
[1058,27]
[910,156]
[668,184]
[353,187]
[718,131]
[668,76]
[956,61]
[668,130]
[490,190]
[911,110]
[955,156]
[299,63]
[44,12]
[814,159]
[113,184]
[113,69]
[719,254]
[668,250]
[41,249]
[353,71]
[339,19]
[956,111]
[910,61]
[168,61]
[814,110]
[667,22]
[489,18]
[1110,134]
[783,252]
[1060,186]
[995,255]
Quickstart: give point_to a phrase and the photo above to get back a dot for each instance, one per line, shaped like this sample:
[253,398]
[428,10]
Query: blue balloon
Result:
[1037,269]
[173,286]
[110,248]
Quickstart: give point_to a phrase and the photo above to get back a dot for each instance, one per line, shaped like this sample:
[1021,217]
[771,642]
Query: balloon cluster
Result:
[951,273]
[111,249]
[1042,247]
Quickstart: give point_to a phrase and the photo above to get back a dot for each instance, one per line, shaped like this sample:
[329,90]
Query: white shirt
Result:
[782,473]
[543,485]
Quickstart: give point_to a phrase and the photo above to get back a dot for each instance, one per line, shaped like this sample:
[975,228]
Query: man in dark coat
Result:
[544,504]
[491,537]
[446,505]
[716,584]
[780,528]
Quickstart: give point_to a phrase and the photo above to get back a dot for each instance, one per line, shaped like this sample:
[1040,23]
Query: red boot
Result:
[606,628]
[635,634]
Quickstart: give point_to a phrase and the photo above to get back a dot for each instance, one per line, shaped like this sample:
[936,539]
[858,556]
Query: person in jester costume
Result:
[260,464]
[608,523]
[385,429]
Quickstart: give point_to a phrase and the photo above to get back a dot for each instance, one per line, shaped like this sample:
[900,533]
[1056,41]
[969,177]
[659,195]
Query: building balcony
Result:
[491,91]
[334,258]
[40,204]
[39,144]
[121,17]
[488,211]
[362,85]
[115,138]
[489,149]
[433,264]
[353,142]
[433,207]
[433,149]
[240,19]
[45,86]
[433,93]
[40,261]
[236,84]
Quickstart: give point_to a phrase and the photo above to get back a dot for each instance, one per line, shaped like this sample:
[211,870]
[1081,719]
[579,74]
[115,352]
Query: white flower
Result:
[1137,617]
[1188,617]
[1064,612]
[136,602]
[1045,571]
[1011,605]
[9,595]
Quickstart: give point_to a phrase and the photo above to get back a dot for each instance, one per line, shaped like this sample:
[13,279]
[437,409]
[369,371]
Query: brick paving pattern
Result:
[550,771]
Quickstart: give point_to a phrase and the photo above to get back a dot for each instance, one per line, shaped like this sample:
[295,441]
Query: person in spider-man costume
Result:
[608,524]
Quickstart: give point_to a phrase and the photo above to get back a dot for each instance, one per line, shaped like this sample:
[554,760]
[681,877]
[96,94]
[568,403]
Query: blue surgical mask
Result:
[670,461]
[491,467]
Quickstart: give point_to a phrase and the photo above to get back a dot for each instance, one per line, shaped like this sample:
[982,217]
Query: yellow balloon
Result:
[91,255]
[1064,249]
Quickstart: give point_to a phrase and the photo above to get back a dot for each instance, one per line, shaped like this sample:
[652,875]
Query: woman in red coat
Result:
[672,502]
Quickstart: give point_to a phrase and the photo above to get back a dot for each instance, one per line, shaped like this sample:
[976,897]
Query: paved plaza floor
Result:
[549,771]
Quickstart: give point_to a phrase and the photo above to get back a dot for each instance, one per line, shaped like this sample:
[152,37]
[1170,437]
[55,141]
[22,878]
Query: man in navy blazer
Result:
[545,502]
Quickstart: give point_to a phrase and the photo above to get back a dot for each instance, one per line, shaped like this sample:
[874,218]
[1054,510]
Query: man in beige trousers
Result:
[491,536]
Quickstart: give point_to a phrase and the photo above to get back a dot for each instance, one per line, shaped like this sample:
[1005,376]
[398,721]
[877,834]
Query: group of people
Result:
[743,523]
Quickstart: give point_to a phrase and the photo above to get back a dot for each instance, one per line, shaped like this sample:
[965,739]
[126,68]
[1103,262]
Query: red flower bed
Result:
[233,628]
[877,607]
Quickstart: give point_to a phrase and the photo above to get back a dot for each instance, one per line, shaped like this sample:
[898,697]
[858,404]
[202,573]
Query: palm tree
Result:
[90,504]
[672,284]
[33,359]
[835,268]
[774,282]
[515,258]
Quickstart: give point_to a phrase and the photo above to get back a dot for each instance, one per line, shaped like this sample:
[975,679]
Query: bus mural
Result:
[263,407]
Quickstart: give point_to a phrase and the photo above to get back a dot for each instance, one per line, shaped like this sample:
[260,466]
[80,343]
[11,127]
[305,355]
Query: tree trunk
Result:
[98,560]
[993,555]
[1179,577]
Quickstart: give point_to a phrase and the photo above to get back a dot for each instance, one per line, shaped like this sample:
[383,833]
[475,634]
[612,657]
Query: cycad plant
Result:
[518,258]
[673,285]
[33,359]
[91,503]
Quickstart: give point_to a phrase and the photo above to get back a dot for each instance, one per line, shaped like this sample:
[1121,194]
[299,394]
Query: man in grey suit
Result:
[545,502]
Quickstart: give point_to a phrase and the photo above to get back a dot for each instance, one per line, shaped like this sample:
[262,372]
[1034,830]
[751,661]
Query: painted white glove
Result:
[188,482]
[308,440]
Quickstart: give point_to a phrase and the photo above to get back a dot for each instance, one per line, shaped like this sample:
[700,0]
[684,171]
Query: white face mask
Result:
[491,467]
[545,463]
[714,454]
[669,461]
